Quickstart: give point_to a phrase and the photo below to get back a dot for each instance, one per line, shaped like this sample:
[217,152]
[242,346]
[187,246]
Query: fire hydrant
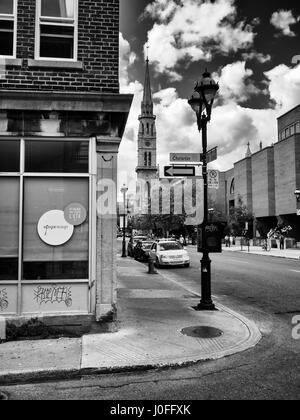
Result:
[151,266]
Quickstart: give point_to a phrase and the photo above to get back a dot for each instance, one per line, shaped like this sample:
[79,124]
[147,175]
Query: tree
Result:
[238,217]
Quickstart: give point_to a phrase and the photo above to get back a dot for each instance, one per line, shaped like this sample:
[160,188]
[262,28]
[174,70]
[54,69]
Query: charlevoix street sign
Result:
[211,156]
[180,171]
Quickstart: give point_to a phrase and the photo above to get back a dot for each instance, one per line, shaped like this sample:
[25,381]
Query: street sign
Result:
[180,171]
[298,212]
[213,180]
[185,157]
[211,155]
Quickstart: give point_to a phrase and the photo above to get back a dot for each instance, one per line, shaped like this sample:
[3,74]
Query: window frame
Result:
[54,21]
[12,18]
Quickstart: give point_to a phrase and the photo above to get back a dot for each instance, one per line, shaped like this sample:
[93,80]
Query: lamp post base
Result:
[206,306]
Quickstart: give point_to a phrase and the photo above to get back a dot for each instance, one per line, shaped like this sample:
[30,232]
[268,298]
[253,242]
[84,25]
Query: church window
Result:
[150,159]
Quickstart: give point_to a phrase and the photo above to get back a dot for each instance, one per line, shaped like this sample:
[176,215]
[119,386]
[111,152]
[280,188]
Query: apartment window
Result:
[297,128]
[57,27]
[8,17]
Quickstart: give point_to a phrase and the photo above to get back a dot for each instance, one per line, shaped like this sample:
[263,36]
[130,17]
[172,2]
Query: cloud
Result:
[255,56]
[284,86]
[127,58]
[235,82]
[283,20]
[192,30]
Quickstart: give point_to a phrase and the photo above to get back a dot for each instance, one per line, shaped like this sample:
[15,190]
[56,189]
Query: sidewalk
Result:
[152,314]
[256,250]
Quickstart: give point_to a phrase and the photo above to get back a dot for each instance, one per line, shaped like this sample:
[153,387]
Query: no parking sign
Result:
[213,179]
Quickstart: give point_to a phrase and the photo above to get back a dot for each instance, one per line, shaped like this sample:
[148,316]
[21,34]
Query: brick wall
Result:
[98,50]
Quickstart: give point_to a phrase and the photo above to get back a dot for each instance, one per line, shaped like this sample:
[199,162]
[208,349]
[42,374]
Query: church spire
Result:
[248,153]
[147,104]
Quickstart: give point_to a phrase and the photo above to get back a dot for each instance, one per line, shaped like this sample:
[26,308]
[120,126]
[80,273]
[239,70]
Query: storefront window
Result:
[55,248]
[9,156]
[57,156]
[9,228]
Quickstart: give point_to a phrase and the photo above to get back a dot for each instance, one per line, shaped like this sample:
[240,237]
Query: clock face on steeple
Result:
[148,144]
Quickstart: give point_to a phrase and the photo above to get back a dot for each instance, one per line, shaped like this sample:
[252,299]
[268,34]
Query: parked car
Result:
[132,243]
[169,254]
[142,250]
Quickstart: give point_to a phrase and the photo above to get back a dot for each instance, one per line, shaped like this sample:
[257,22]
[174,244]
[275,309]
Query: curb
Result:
[264,255]
[59,375]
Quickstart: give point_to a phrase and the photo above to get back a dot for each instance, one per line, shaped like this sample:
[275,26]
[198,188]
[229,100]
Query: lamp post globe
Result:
[201,102]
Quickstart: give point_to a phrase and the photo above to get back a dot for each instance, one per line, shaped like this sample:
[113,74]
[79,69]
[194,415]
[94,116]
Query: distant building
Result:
[266,180]
[62,119]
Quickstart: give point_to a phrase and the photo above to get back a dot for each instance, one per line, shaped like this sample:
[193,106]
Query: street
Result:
[264,289]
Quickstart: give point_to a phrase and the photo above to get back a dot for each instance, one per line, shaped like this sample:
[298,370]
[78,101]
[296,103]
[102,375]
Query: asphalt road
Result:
[266,290]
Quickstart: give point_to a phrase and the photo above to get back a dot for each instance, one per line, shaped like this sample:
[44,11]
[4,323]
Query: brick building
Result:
[267,180]
[62,119]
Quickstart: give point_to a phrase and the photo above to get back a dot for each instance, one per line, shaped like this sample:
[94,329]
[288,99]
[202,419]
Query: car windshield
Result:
[147,245]
[171,246]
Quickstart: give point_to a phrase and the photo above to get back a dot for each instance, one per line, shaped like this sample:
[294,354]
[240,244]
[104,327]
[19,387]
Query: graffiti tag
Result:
[53,295]
[3,300]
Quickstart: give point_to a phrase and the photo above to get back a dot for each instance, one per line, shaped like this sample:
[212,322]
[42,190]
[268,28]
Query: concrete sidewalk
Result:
[152,314]
[293,254]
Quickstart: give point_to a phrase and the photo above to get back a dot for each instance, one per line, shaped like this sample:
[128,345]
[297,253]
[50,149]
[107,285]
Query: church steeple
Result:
[147,104]
[147,161]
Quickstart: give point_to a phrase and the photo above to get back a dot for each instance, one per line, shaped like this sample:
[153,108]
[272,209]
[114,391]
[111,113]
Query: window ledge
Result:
[78,65]
[11,61]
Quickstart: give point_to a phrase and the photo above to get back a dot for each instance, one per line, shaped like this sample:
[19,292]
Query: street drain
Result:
[3,397]
[202,332]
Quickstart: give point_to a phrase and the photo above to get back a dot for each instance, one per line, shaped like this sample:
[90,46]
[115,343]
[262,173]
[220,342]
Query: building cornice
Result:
[65,101]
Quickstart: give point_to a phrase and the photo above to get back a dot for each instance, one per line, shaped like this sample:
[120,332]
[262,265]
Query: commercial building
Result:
[266,180]
[62,119]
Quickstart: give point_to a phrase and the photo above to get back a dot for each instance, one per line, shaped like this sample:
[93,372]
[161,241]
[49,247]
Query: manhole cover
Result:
[202,332]
[3,396]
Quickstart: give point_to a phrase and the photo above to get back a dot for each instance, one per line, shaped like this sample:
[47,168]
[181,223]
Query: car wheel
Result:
[187,265]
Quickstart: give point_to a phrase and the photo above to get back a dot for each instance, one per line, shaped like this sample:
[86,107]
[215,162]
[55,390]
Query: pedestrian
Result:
[281,242]
[230,241]
[181,240]
[227,241]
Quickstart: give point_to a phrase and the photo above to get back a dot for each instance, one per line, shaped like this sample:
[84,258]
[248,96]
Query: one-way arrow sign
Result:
[180,171]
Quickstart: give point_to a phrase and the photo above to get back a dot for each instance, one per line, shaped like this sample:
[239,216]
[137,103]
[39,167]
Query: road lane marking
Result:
[295,271]
[240,262]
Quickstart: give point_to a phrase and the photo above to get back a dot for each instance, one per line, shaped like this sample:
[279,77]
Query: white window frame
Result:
[14,18]
[65,22]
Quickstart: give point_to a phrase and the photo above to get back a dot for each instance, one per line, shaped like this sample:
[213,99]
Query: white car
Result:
[169,254]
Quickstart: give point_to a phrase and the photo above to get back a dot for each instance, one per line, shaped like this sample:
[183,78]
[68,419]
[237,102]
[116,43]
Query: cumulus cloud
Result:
[284,86]
[127,58]
[235,82]
[283,20]
[192,30]
[256,56]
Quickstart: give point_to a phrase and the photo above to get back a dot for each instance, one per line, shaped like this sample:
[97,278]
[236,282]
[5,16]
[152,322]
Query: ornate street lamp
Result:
[202,102]
[124,191]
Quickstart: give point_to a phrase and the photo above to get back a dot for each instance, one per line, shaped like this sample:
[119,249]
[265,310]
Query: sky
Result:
[251,49]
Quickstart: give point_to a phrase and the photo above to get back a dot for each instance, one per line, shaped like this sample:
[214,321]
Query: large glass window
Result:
[9,156]
[57,29]
[57,156]
[8,16]
[68,258]
[9,228]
